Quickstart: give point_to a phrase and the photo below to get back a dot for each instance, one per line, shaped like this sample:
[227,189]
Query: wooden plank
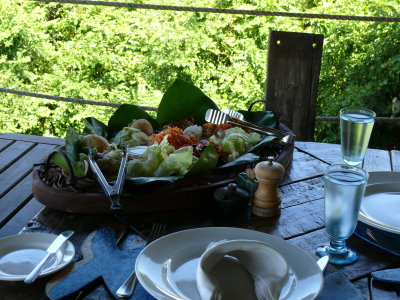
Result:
[301,192]
[395,158]
[370,258]
[19,221]
[4,144]
[18,290]
[363,286]
[11,202]
[329,153]
[294,61]
[377,160]
[293,221]
[13,152]
[303,167]
[32,138]
[23,166]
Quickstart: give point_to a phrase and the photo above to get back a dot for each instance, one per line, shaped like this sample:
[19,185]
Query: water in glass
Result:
[344,191]
[343,194]
[355,126]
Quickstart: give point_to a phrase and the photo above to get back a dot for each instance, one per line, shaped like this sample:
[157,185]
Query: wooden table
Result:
[301,221]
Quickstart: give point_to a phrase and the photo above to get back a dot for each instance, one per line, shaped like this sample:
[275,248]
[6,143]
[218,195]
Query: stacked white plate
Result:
[167,267]
[380,207]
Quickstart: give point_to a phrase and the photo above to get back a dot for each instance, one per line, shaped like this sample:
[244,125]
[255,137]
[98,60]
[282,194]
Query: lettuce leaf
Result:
[132,137]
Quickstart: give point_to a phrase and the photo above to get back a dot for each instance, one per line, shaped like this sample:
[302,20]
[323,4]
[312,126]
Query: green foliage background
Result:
[131,56]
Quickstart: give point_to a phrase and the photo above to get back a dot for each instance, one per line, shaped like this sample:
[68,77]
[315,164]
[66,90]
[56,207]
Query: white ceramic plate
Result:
[380,207]
[167,267]
[19,254]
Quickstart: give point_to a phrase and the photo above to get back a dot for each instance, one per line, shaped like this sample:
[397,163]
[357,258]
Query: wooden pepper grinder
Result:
[267,200]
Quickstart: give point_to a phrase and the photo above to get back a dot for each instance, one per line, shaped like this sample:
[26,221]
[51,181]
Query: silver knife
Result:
[51,250]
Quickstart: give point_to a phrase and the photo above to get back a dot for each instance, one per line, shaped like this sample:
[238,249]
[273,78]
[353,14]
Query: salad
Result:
[175,144]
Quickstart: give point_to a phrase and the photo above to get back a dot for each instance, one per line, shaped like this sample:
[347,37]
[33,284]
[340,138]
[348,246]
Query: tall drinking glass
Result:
[344,190]
[355,130]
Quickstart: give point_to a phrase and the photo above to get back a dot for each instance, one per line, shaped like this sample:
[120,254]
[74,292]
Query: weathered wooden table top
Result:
[301,221]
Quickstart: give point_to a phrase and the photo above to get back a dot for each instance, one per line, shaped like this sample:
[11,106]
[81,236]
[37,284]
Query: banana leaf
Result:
[245,159]
[181,100]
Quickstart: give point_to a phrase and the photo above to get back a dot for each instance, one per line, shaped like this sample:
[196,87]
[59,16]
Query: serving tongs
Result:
[219,117]
[114,191]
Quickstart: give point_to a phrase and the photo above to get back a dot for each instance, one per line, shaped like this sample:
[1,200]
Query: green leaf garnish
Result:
[207,161]
[73,145]
[94,126]
[241,160]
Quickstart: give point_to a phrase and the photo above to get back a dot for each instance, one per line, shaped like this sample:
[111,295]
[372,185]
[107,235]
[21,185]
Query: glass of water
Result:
[344,190]
[355,130]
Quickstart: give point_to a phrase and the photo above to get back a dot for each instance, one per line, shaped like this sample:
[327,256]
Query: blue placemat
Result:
[101,258]
[337,286]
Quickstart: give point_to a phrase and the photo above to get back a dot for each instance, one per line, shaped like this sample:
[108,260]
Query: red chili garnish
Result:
[222,156]
[176,138]
[210,129]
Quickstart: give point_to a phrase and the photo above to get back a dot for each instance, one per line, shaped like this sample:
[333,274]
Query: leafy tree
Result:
[131,56]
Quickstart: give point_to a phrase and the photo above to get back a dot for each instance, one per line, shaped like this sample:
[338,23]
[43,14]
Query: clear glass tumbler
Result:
[344,190]
[356,125]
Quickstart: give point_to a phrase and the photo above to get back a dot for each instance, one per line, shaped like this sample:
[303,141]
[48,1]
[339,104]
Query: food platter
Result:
[188,154]
[186,193]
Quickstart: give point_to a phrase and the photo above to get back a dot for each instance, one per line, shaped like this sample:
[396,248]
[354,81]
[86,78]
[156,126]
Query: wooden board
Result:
[294,61]
[32,138]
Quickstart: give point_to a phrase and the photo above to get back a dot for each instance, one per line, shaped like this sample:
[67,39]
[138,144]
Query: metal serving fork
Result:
[234,114]
[127,288]
[219,117]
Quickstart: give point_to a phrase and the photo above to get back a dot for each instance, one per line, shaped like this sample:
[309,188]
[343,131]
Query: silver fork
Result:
[127,288]
[219,117]
[234,113]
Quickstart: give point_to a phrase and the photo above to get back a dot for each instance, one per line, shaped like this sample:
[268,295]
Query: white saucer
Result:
[380,207]
[19,254]
[167,267]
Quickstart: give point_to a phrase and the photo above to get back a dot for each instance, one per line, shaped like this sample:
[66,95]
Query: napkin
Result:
[241,269]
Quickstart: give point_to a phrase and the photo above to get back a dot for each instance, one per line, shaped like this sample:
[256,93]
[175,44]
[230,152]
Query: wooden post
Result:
[294,62]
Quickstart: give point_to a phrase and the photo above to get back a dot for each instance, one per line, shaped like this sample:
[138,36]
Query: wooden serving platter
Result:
[186,193]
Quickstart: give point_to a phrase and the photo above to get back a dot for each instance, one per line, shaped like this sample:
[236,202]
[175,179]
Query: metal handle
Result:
[36,271]
[113,192]
[127,288]
[288,138]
